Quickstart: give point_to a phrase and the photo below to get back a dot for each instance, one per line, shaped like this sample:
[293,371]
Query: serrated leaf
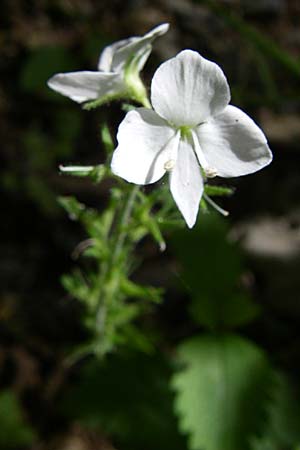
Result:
[211,270]
[282,429]
[237,310]
[221,391]
[128,397]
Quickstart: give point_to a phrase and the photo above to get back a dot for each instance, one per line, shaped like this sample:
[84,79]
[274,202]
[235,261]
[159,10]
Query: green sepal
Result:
[96,173]
[218,190]
[126,107]
[93,104]
[107,139]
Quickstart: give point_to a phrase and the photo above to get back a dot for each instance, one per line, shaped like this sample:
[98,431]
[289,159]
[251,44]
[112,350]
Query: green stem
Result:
[108,283]
[124,222]
[107,290]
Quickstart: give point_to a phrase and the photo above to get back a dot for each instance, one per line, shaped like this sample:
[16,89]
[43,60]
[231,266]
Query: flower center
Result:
[185,130]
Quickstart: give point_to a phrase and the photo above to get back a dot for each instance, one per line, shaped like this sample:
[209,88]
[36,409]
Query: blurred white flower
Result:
[118,72]
[191,124]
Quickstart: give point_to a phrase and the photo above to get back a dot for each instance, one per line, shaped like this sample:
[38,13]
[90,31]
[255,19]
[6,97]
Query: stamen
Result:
[214,205]
[166,156]
[209,171]
[169,165]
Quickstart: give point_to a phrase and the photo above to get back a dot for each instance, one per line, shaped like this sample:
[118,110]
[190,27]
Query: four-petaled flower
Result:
[191,124]
[118,72]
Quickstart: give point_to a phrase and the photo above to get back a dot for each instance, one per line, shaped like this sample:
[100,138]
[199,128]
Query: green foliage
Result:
[282,429]
[107,139]
[254,37]
[40,158]
[14,432]
[73,207]
[127,396]
[40,65]
[220,191]
[221,391]
[93,104]
[211,271]
[127,107]
[113,301]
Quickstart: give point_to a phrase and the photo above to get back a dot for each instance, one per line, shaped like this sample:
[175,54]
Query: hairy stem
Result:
[107,289]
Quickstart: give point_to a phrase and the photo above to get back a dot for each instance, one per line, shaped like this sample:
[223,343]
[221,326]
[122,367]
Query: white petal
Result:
[106,57]
[146,144]
[137,47]
[186,183]
[159,30]
[83,86]
[233,144]
[188,89]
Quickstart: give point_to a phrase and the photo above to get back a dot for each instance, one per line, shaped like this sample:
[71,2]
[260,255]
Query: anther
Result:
[211,172]
[169,165]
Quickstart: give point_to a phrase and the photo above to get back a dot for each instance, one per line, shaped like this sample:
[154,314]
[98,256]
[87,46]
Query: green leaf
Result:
[153,228]
[221,391]
[76,285]
[134,290]
[282,429]
[41,64]
[107,139]
[211,271]
[235,311]
[41,194]
[72,206]
[14,432]
[128,397]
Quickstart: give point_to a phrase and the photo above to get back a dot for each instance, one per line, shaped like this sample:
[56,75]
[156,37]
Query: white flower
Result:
[118,72]
[191,124]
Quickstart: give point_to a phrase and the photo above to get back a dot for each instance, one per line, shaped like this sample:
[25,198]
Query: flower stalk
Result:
[108,282]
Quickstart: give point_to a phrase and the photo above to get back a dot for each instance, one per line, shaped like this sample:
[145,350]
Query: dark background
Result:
[258,46]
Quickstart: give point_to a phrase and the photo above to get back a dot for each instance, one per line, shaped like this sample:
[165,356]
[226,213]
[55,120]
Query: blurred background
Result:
[44,406]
